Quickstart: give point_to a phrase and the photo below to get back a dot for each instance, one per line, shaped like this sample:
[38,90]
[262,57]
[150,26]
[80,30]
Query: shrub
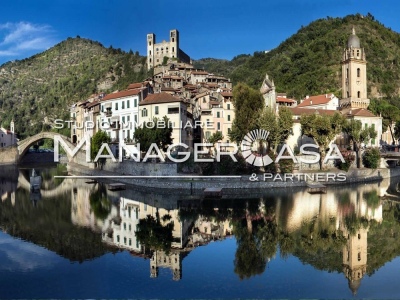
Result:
[349,158]
[371,158]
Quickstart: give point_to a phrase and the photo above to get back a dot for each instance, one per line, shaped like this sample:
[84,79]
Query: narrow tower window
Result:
[358,94]
[358,72]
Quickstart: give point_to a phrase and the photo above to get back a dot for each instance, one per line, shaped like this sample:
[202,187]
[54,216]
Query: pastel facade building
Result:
[180,119]
[8,137]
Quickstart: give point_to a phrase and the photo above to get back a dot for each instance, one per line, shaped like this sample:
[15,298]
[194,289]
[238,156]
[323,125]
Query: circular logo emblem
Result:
[247,142]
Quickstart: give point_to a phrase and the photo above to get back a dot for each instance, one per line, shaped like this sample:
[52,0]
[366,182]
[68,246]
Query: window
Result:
[125,240]
[373,140]
[156,110]
[359,256]
[102,109]
[229,117]
[135,117]
[128,102]
[124,226]
[347,72]
[218,114]
[117,238]
[116,105]
[173,49]
[123,120]
[358,72]
[123,105]
[130,242]
[359,236]
[229,131]
[173,110]
[144,112]
[228,106]
[208,134]
[218,126]
[358,94]
[135,103]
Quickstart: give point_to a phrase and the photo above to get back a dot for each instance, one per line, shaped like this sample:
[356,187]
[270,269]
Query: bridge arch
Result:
[24,145]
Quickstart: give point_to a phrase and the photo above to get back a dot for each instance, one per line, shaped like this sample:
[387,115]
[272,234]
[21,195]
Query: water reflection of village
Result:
[297,223]
[346,210]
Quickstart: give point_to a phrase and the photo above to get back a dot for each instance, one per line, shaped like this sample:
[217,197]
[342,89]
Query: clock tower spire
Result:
[354,75]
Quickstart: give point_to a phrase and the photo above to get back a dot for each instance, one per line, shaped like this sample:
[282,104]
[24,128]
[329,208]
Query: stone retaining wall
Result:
[242,182]
[8,155]
[130,167]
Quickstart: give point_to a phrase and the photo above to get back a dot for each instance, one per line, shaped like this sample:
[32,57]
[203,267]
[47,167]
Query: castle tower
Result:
[354,75]
[355,257]
[172,260]
[151,40]
[157,52]
[174,43]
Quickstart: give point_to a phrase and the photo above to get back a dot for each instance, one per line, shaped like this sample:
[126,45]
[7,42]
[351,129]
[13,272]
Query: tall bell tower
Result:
[354,75]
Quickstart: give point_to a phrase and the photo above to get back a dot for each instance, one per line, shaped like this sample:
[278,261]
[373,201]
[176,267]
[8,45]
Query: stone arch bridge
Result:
[14,154]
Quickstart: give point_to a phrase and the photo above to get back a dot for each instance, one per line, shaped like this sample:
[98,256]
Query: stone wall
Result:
[8,155]
[130,167]
[189,183]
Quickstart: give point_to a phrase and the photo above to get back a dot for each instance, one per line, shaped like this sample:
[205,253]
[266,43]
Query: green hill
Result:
[309,61]
[39,89]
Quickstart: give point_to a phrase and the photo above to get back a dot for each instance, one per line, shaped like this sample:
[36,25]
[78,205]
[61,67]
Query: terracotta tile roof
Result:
[298,111]
[168,89]
[189,86]
[215,103]
[159,98]
[226,94]
[94,103]
[359,112]
[121,94]
[284,100]
[136,85]
[199,73]
[316,100]
[201,95]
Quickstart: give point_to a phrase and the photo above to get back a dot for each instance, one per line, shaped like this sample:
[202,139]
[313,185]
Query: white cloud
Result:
[18,39]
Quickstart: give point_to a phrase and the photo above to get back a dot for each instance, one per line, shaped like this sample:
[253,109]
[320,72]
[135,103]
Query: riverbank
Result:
[193,182]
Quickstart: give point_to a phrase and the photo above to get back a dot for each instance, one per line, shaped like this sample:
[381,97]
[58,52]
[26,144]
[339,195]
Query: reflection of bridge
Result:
[65,187]
[14,154]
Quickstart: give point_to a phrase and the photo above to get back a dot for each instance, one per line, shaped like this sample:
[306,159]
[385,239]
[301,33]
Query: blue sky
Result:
[217,28]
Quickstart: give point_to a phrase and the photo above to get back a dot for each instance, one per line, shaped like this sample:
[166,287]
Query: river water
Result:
[74,239]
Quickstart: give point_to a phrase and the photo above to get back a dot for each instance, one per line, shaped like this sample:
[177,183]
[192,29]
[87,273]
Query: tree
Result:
[248,105]
[322,129]
[390,114]
[285,125]
[215,137]
[153,234]
[150,133]
[100,138]
[353,128]
[268,122]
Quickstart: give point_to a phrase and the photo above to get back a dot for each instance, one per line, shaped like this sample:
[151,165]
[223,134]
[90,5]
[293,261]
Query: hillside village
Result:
[187,95]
